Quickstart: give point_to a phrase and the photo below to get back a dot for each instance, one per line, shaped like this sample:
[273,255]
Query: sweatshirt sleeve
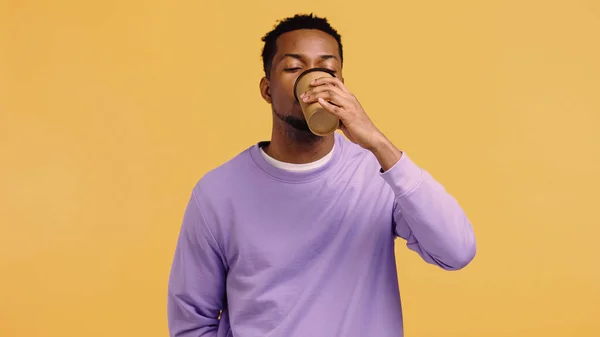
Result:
[429,218]
[197,280]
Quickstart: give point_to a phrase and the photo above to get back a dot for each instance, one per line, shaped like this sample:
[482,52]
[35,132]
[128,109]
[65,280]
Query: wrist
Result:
[386,153]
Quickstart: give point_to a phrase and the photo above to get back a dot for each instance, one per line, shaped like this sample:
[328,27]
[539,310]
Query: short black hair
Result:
[298,21]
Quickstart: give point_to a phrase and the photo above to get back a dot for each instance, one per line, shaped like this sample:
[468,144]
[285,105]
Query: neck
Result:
[298,147]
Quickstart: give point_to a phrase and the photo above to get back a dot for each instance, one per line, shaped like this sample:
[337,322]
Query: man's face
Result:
[297,51]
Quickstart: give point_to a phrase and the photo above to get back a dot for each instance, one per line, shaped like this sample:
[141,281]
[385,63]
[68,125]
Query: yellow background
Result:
[112,110]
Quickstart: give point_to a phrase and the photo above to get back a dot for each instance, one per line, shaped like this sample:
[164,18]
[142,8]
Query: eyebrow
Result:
[301,58]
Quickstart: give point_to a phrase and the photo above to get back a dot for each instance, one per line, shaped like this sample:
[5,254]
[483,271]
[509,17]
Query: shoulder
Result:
[223,180]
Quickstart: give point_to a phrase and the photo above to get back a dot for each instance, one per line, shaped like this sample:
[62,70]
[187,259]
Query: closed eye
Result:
[291,70]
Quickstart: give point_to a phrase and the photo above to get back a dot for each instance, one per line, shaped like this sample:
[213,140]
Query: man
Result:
[295,237]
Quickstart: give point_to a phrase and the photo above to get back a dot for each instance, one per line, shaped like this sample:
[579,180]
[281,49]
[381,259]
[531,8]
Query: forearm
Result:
[428,217]
[185,324]
[438,225]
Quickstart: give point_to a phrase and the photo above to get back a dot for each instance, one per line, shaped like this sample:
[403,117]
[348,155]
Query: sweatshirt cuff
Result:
[404,176]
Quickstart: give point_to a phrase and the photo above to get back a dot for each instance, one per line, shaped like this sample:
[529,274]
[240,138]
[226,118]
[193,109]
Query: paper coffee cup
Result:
[320,121]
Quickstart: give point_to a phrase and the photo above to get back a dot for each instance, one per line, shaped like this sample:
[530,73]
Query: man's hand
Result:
[333,95]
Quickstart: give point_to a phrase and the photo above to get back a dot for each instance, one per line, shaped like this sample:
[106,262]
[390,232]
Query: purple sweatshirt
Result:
[266,252]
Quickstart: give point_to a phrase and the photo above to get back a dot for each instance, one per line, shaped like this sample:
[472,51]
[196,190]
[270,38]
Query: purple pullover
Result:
[266,252]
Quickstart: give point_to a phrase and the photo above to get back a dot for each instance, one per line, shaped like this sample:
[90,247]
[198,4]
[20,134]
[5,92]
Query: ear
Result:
[265,89]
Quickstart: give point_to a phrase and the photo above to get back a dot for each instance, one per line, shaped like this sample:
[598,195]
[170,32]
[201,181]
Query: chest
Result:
[282,229]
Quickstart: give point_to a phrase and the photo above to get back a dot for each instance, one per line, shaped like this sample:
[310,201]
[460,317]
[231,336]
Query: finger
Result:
[323,88]
[331,96]
[329,80]
[334,109]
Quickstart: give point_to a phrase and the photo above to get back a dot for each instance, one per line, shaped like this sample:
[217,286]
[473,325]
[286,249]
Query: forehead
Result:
[311,42]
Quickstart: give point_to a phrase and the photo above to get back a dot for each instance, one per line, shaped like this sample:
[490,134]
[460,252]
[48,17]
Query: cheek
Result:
[283,92]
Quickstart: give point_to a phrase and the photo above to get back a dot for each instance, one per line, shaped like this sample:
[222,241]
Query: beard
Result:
[299,130]
[298,123]
[295,122]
